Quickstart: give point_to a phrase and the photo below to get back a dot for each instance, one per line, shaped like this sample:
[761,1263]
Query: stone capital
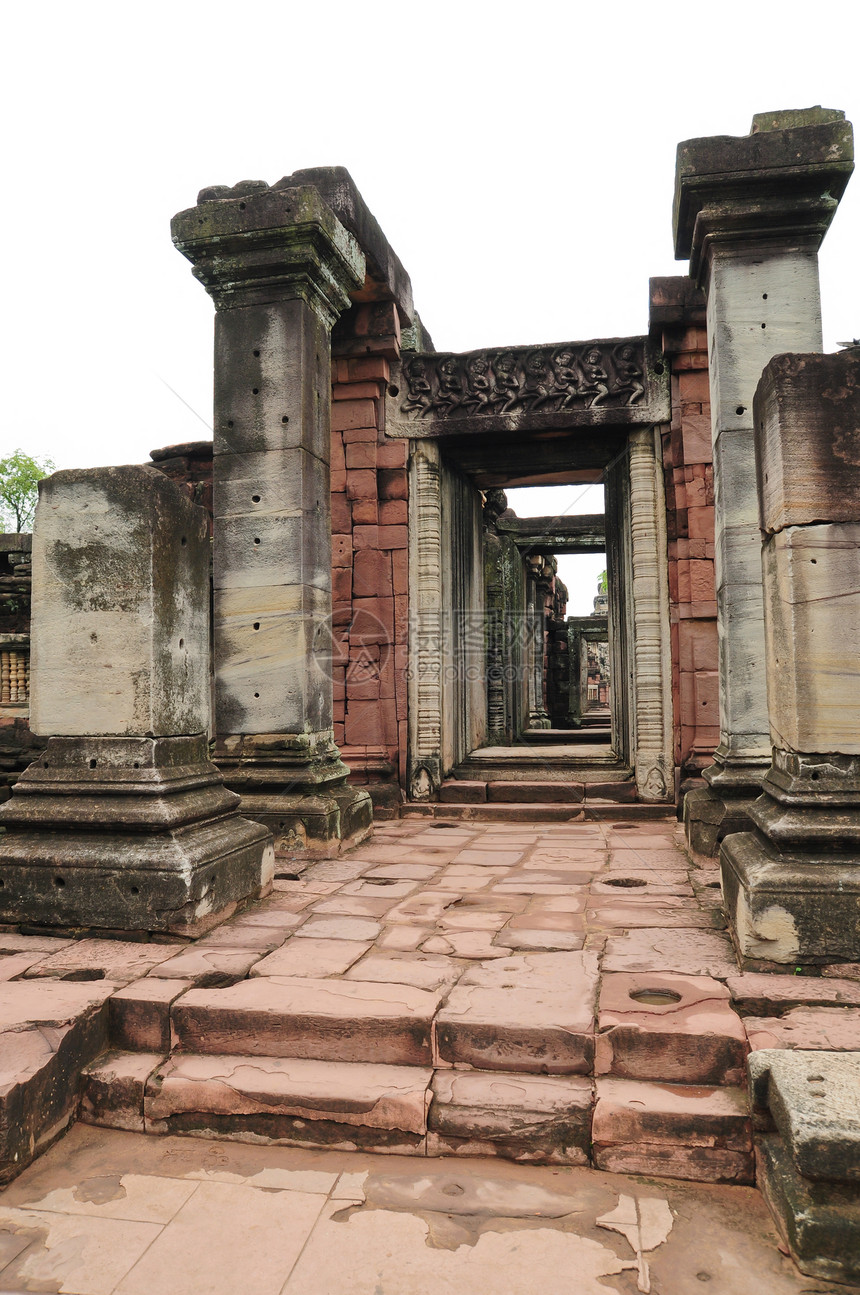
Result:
[254,245]
[782,182]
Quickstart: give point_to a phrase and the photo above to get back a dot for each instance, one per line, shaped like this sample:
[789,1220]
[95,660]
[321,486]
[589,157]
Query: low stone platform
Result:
[561,994]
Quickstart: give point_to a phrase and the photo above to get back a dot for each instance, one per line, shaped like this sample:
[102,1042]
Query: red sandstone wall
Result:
[687,460]
[369,579]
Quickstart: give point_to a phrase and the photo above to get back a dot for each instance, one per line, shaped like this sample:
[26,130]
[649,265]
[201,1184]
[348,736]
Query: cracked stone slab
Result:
[339,928]
[112,1089]
[208,966]
[140,1014]
[825,1028]
[422,970]
[118,961]
[314,958]
[668,1027]
[515,1116]
[688,952]
[662,911]
[301,1102]
[814,1101]
[770,994]
[322,1020]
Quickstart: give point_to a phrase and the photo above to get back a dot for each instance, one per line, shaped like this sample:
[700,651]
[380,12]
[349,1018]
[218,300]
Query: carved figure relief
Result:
[509,381]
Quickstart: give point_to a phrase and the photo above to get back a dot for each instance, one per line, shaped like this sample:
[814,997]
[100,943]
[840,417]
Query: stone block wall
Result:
[689,479]
[369,579]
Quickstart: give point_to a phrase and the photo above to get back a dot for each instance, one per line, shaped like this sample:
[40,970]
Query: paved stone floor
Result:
[562,993]
[106,1211]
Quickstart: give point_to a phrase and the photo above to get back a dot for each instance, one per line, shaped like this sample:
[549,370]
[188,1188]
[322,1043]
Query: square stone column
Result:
[122,822]
[792,886]
[279,267]
[750,213]
[577,665]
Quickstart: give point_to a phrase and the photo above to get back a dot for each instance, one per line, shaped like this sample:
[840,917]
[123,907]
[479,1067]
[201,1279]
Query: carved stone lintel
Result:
[614,381]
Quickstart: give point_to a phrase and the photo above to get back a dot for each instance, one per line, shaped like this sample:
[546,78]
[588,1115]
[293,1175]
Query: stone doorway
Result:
[469,440]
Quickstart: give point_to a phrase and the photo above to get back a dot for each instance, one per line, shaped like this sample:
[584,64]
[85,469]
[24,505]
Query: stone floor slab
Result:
[829,1028]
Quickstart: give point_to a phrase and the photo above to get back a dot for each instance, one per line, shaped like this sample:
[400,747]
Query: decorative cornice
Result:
[267,245]
[781,182]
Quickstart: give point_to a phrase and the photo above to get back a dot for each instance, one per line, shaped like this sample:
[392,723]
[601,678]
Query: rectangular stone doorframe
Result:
[651,702]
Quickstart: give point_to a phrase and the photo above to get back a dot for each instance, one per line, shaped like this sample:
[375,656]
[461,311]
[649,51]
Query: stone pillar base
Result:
[295,785]
[790,909]
[709,817]
[128,834]
[538,719]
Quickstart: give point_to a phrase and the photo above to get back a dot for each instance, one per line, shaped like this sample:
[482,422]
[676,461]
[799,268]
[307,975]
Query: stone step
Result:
[702,1134]
[596,810]
[352,1106]
[518,765]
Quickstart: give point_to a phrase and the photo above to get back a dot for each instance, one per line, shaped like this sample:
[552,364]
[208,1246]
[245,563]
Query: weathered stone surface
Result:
[516,1116]
[140,1013]
[298,1102]
[814,1101]
[807,440]
[671,1130]
[664,912]
[118,961]
[321,1020]
[119,558]
[208,967]
[314,958]
[665,1027]
[533,1013]
[836,1028]
[421,970]
[272,556]
[812,576]
[787,909]
[819,1220]
[112,1091]
[49,1031]
[692,953]
[770,994]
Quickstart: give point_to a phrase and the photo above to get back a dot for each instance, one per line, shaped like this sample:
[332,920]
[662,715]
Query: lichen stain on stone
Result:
[98,1191]
[770,933]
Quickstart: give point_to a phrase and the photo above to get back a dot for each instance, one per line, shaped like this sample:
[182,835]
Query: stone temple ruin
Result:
[389,652]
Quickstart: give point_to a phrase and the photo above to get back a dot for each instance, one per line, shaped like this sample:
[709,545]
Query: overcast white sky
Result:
[520,159]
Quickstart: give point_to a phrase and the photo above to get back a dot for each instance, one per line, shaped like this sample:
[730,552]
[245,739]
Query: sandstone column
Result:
[792,887]
[577,657]
[122,822]
[751,213]
[279,267]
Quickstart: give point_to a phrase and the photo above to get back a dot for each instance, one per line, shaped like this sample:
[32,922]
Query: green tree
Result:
[19,489]
[603,583]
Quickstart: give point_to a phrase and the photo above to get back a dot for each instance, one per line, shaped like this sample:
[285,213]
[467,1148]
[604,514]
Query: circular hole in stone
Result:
[256,625]
[255,499]
[92,764]
[137,764]
[764,325]
[658,368]
[285,419]
[45,764]
[59,881]
[655,997]
[2,883]
[815,1079]
[183,541]
[764,296]
[135,890]
[256,354]
[815,776]
[740,410]
[256,694]
[241,206]
[625,881]
[393,391]
[255,391]
[257,540]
